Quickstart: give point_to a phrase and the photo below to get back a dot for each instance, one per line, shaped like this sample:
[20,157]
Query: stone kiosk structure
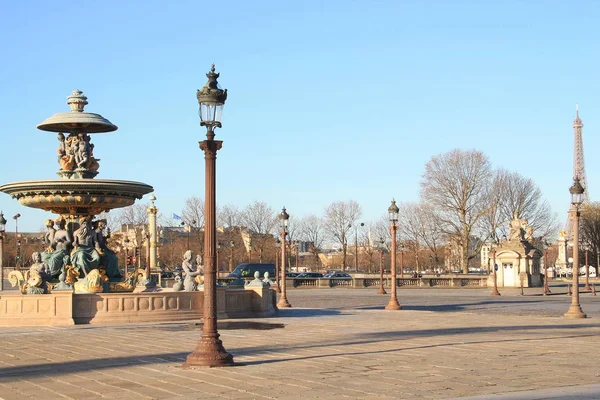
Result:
[517,258]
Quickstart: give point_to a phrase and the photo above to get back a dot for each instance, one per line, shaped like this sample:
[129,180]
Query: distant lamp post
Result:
[495,292]
[401,260]
[283,301]
[546,283]
[393,211]
[277,269]
[210,351]
[381,248]
[250,252]
[2,230]
[356,245]
[587,287]
[18,261]
[576,199]
[232,246]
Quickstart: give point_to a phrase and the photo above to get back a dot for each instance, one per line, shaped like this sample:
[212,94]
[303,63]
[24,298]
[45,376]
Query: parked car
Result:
[309,275]
[247,270]
[292,274]
[338,275]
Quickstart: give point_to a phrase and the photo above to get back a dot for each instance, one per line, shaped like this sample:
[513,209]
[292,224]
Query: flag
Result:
[175,216]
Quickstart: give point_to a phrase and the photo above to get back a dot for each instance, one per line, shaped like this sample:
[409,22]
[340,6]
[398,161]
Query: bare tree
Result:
[135,214]
[312,230]
[260,220]
[431,234]
[340,217]
[229,216]
[454,184]
[523,198]
[411,226]
[590,228]
[193,212]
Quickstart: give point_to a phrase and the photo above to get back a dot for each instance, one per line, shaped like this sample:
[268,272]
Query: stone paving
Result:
[445,343]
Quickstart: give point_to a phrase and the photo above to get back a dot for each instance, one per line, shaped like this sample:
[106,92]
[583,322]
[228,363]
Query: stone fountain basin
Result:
[76,196]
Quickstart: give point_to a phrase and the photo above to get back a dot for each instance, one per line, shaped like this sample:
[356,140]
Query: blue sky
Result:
[328,100]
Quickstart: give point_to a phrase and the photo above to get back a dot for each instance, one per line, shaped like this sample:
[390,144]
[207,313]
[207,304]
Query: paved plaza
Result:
[333,343]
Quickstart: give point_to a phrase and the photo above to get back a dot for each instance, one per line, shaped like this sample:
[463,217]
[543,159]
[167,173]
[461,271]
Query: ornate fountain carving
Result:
[82,263]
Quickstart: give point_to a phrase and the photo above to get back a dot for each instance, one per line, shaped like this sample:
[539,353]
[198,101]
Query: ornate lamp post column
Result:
[401,260]
[18,261]
[232,246]
[546,288]
[283,301]
[381,289]
[2,230]
[586,248]
[356,245]
[495,292]
[250,252]
[393,211]
[151,240]
[277,269]
[576,199]
[210,351]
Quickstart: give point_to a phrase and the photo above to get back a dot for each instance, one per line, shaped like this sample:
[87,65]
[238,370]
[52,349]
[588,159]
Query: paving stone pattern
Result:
[444,344]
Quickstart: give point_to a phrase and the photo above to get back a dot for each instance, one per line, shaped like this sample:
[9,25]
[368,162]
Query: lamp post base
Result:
[283,303]
[393,305]
[495,292]
[381,291]
[587,287]
[575,312]
[209,353]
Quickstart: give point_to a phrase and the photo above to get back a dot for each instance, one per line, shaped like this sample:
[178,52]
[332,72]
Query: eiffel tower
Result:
[578,165]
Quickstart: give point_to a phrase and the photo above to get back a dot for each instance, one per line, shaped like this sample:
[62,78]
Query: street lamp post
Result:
[356,245]
[210,351]
[586,248]
[249,252]
[283,301]
[576,199]
[296,245]
[18,242]
[381,288]
[495,292]
[232,245]
[393,211]
[277,269]
[401,260]
[2,230]
[546,288]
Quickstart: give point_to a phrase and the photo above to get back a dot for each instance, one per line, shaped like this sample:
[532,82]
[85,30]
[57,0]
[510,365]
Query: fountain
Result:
[77,258]
[77,279]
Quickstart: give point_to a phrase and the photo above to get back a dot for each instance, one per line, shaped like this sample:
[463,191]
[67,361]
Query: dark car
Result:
[247,270]
[338,275]
[292,274]
[309,275]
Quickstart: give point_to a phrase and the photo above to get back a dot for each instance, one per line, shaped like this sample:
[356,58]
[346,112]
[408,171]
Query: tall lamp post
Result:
[586,248]
[2,230]
[393,211]
[18,242]
[232,246]
[576,199]
[250,252]
[277,269]
[381,288]
[210,351]
[401,260]
[495,292]
[283,301]
[546,287]
[356,245]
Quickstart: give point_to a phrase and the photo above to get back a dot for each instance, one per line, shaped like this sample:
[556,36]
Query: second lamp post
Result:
[393,212]
[283,301]
[576,199]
